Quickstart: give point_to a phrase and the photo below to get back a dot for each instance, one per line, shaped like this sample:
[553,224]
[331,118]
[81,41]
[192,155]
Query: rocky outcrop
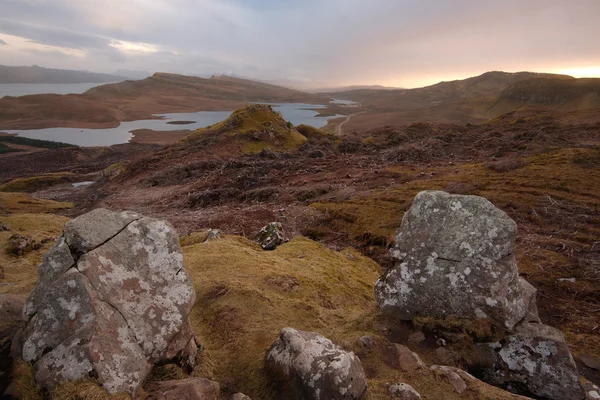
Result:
[535,358]
[20,245]
[271,236]
[319,368]
[112,299]
[455,256]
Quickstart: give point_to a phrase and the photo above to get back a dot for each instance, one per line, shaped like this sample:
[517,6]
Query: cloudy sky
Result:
[405,43]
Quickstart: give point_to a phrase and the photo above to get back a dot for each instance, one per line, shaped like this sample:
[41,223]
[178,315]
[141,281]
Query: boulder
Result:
[112,299]
[319,368]
[455,256]
[407,360]
[534,360]
[403,391]
[271,236]
[452,375]
[186,389]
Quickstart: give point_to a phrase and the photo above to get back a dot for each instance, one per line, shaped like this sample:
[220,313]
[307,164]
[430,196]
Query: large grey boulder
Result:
[534,359]
[319,368]
[455,256]
[112,299]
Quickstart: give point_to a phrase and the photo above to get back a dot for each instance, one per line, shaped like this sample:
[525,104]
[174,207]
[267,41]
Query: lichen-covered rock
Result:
[20,245]
[110,302]
[319,368]
[535,359]
[455,256]
[186,389]
[403,391]
[271,236]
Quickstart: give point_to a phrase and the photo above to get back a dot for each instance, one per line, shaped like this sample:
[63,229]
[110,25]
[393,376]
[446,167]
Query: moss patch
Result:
[34,183]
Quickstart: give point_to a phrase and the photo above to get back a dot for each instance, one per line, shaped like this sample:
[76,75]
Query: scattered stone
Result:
[457,382]
[3,227]
[590,361]
[320,369]
[416,338]
[570,280]
[535,357]
[213,234]
[404,391]
[592,391]
[408,360]
[440,342]
[455,256]
[186,389]
[240,396]
[20,245]
[112,299]
[271,236]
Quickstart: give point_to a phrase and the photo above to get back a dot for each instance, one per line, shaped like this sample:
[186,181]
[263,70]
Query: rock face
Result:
[112,299]
[455,257]
[271,236]
[537,359]
[319,368]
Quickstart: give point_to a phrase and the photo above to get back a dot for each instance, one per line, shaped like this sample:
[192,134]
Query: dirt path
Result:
[338,129]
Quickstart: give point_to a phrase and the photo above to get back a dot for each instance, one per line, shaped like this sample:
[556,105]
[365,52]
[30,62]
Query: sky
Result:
[318,43]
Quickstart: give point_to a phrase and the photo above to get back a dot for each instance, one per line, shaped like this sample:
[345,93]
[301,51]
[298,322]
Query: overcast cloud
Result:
[325,42]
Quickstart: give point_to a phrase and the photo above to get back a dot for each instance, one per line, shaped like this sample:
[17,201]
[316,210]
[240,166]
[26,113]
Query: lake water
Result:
[22,89]
[296,113]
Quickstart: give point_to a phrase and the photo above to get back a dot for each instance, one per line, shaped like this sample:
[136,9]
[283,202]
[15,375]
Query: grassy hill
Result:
[35,74]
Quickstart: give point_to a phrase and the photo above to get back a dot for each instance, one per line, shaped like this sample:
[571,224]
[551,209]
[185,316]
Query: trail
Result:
[338,129]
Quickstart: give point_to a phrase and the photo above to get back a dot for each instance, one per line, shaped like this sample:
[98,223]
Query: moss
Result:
[23,203]
[251,129]
[245,296]
[34,183]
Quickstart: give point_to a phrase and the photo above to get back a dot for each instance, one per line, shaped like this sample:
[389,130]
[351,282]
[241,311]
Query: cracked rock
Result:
[455,256]
[112,299]
[534,359]
[319,369]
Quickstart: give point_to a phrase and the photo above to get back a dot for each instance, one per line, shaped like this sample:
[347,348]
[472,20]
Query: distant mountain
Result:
[35,74]
[132,74]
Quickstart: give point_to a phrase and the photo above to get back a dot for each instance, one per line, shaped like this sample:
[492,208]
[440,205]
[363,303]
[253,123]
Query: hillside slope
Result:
[106,106]
[459,101]
[557,94]
[35,74]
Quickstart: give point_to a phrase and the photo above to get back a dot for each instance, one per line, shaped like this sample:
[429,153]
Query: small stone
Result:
[403,391]
[457,382]
[590,361]
[320,368]
[271,236]
[213,234]
[187,389]
[3,227]
[446,356]
[19,245]
[366,342]
[416,338]
[240,396]
[408,360]
[440,342]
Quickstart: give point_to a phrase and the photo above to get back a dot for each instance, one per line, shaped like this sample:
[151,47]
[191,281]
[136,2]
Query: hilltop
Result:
[35,74]
[107,105]
[471,100]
